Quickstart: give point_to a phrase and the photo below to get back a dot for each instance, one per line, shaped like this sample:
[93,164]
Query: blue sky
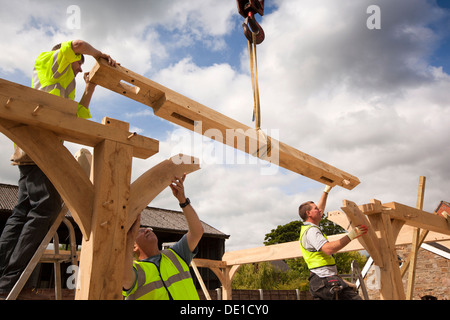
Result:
[369,102]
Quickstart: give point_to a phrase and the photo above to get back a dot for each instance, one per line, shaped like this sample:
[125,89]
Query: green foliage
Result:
[291,231]
[267,277]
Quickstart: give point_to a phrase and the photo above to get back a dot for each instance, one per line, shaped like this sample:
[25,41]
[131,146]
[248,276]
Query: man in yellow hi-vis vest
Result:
[38,201]
[324,282]
[162,275]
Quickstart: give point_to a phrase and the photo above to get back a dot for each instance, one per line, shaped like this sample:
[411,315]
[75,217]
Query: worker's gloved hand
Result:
[327,189]
[357,232]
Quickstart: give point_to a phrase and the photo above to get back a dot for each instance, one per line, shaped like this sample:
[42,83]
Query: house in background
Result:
[168,225]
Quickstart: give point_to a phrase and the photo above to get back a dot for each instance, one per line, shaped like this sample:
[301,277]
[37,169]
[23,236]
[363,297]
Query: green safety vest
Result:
[171,281]
[315,259]
[53,73]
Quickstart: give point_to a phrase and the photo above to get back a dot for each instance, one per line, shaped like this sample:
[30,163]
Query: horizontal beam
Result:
[194,116]
[417,218]
[291,250]
[36,108]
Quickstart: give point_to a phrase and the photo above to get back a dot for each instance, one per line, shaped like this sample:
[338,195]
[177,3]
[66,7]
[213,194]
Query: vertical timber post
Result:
[102,256]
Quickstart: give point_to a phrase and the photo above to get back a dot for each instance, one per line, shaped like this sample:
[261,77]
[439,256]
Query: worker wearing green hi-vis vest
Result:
[324,282]
[151,274]
[38,201]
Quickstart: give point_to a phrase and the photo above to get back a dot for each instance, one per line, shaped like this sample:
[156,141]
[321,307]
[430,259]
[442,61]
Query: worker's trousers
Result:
[331,288]
[37,207]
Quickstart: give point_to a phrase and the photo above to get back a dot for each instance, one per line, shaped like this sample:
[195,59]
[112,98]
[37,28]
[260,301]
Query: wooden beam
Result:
[370,239]
[23,102]
[151,183]
[415,243]
[291,250]
[417,218]
[59,165]
[194,116]
[102,256]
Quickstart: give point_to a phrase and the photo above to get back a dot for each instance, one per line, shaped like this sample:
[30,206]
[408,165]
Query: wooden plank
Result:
[194,116]
[417,218]
[145,188]
[22,108]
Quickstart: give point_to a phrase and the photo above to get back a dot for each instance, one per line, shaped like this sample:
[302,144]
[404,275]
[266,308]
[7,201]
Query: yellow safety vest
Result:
[53,73]
[315,259]
[171,281]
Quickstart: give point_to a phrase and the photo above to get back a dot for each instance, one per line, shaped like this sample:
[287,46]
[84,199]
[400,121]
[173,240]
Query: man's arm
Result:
[332,247]
[129,276]
[82,47]
[88,92]
[195,232]
[323,199]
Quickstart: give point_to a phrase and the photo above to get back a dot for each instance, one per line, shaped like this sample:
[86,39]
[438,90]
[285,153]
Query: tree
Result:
[291,231]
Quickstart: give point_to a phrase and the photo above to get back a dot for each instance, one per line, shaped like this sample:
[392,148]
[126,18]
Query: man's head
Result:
[146,244]
[76,66]
[309,212]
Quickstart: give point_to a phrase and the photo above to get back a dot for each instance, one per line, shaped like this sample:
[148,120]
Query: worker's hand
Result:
[357,232]
[87,80]
[132,233]
[110,60]
[178,188]
[327,189]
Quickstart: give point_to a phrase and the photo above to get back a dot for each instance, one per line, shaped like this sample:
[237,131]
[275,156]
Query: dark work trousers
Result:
[326,288]
[37,207]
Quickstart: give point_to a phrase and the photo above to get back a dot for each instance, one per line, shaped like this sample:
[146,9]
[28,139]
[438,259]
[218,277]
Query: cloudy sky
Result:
[372,102]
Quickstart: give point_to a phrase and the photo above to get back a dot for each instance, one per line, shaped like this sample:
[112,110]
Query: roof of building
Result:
[157,218]
[174,221]
[8,197]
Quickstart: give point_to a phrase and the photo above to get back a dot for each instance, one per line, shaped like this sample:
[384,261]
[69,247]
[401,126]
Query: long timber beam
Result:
[188,113]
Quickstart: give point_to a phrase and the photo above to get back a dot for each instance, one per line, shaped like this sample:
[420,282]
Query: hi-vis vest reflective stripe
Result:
[315,259]
[53,73]
[172,281]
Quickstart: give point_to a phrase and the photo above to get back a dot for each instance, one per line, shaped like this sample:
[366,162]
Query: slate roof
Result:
[157,218]
[8,197]
[174,221]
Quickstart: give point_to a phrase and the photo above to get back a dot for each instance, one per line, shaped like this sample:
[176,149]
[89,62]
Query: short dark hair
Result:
[58,46]
[306,206]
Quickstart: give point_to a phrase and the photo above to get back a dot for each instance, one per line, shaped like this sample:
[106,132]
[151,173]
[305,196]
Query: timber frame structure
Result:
[105,204]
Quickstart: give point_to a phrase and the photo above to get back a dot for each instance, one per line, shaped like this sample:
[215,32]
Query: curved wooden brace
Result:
[370,240]
[154,181]
[59,165]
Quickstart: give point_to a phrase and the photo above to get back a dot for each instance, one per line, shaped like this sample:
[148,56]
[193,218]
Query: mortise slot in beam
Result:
[128,87]
[326,179]
[182,118]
